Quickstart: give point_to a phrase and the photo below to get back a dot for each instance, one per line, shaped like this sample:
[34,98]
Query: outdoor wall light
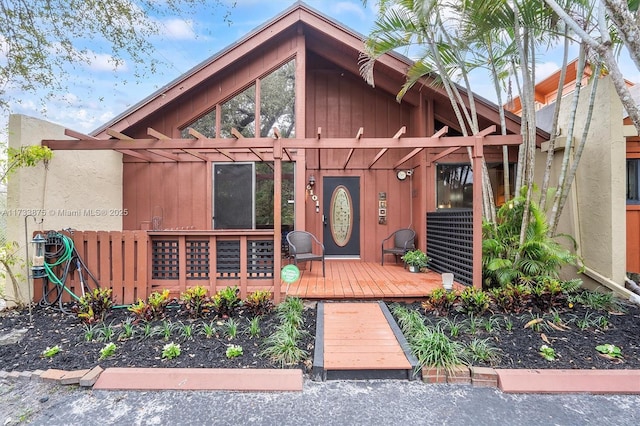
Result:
[37,264]
[310,184]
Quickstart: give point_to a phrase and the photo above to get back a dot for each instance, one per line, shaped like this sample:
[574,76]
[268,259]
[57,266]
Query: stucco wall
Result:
[599,223]
[78,189]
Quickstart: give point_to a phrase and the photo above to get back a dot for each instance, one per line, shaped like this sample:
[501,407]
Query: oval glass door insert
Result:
[341,209]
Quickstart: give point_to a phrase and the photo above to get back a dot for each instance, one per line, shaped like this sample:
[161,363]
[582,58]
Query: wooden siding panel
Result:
[176,192]
[633,240]
[129,196]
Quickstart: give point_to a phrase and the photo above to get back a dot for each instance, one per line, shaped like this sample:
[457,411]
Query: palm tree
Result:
[451,40]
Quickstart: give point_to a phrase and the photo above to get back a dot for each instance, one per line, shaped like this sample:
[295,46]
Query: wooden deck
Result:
[357,340]
[353,279]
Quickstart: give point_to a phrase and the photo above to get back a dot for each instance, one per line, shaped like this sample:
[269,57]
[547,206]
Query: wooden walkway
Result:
[360,341]
[353,279]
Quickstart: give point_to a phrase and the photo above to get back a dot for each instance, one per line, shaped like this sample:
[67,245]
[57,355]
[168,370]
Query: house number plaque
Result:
[341,209]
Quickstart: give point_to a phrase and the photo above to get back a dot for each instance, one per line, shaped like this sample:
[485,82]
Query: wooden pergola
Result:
[161,148]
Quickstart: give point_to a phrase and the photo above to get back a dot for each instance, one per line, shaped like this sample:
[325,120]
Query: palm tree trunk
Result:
[576,160]
[555,212]
[554,126]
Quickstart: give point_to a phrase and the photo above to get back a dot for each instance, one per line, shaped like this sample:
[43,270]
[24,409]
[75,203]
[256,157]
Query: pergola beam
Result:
[267,143]
[358,137]
[196,154]
[444,153]
[141,155]
[156,134]
[196,134]
[276,133]
[236,134]
[415,152]
[78,135]
[383,151]
[118,135]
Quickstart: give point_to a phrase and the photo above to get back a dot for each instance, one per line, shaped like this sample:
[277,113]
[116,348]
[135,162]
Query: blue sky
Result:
[96,93]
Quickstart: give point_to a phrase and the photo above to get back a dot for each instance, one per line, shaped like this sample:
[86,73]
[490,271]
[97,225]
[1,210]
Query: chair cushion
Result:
[307,256]
[395,250]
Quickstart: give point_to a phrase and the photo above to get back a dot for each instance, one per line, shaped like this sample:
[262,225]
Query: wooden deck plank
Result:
[357,336]
[371,361]
[353,279]
[363,342]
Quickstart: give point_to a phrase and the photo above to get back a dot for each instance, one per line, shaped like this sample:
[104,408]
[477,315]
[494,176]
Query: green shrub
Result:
[433,348]
[94,306]
[233,351]
[171,350]
[505,260]
[283,346]
[154,308]
[108,350]
[473,301]
[481,350]
[226,301]
[512,298]
[259,302]
[440,302]
[195,303]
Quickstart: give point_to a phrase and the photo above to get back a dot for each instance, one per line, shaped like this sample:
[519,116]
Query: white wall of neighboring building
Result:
[77,189]
[595,213]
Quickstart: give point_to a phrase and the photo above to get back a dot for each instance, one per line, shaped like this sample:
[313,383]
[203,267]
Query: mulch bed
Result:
[574,346]
[518,346]
[51,327]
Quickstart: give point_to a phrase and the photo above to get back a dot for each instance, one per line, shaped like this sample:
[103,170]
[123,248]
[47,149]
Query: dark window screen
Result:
[233,196]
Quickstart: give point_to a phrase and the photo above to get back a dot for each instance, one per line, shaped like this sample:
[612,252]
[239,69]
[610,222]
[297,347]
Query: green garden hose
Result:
[63,255]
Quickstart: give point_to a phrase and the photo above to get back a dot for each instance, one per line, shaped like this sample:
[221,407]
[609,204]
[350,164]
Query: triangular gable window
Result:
[276,109]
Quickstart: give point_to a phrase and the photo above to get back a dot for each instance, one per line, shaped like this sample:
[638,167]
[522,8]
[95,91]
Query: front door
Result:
[341,216]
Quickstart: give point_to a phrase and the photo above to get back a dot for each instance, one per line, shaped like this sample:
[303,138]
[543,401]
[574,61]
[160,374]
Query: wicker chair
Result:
[403,241]
[301,245]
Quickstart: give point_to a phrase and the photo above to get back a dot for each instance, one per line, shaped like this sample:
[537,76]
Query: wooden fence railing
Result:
[136,263]
[117,260]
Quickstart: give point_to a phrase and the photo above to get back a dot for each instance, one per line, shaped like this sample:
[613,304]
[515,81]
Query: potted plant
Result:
[416,259]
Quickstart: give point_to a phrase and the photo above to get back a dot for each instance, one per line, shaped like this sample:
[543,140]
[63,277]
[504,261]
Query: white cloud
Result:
[104,62]
[545,69]
[349,9]
[178,29]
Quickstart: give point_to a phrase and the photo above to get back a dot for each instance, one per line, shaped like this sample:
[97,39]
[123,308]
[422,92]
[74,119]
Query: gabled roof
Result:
[298,12]
[312,21]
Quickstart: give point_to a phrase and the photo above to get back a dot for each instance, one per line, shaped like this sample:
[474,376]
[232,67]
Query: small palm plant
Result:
[505,260]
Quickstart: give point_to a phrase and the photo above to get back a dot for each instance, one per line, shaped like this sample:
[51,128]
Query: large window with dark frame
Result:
[243,195]
[454,184]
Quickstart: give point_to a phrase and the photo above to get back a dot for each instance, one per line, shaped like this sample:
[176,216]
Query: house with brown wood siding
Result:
[278,132]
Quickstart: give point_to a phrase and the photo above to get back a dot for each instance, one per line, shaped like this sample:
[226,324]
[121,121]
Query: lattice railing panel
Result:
[450,243]
[164,260]
[228,259]
[260,259]
[197,259]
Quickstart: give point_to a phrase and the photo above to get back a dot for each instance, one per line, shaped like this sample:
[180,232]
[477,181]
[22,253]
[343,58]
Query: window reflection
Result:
[277,102]
[239,113]
[455,184]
